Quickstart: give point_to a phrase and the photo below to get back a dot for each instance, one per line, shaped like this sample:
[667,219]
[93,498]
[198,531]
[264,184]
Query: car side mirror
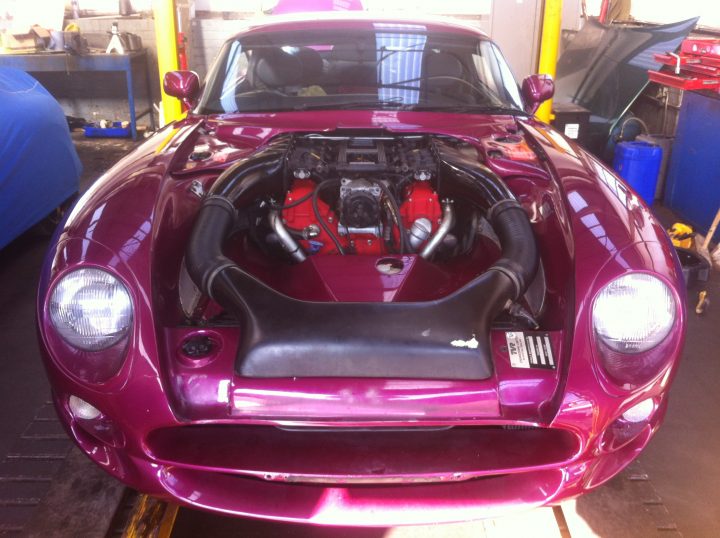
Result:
[185,85]
[536,89]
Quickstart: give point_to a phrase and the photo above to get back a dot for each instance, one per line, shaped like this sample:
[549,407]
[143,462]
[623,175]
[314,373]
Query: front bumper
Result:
[283,449]
[329,477]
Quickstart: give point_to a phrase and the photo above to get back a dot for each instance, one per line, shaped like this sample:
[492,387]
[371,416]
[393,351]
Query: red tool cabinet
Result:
[695,67]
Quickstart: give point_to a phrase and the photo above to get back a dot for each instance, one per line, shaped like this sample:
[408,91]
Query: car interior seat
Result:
[440,74]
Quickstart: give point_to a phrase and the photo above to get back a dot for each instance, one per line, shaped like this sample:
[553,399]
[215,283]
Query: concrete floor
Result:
[23,386]
[682,461]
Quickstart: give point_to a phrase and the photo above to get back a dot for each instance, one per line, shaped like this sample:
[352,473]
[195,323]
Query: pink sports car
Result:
[360,284]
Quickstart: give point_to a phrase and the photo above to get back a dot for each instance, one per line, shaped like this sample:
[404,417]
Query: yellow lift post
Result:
[166,41]
[549,44]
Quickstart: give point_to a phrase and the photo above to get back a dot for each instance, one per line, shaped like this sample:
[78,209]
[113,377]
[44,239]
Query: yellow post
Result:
[550,41]
[166,41]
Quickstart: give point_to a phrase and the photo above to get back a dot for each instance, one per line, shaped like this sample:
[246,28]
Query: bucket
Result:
[638,163]
[695,268]
[665,142]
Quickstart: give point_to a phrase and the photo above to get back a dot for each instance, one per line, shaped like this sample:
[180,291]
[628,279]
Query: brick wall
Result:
[208,33]
[103,95]
[144,26]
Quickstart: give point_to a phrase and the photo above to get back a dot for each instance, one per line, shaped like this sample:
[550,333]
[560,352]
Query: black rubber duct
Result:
[464,178]
[257,175]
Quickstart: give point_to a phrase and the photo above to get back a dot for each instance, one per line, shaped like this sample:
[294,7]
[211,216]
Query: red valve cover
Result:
[302,215]
[420,201]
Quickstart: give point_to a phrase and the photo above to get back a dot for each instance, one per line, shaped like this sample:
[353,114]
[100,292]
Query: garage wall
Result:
[208,32]
[516,27]
[142,25]
[515,24]
[103,95]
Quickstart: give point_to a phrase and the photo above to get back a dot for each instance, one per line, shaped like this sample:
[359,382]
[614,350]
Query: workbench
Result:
[48,62]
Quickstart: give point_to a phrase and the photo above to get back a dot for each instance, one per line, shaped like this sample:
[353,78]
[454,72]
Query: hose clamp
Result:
[214,273]
[222,202]
[499,207]
[511,275]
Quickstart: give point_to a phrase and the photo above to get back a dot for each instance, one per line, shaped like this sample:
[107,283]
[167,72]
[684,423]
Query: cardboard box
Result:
[31,41]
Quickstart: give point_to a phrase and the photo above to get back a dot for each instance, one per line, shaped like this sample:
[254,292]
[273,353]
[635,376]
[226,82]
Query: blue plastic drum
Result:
[638,163]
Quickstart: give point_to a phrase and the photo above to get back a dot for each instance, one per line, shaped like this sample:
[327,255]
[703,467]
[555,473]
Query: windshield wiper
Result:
[380,103]
[473,109]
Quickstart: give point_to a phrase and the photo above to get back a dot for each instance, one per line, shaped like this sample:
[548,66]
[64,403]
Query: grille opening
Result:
[327,455]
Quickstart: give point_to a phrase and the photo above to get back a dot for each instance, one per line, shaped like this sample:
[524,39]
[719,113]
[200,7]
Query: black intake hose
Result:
[520,257]
[259,174]
[463,178]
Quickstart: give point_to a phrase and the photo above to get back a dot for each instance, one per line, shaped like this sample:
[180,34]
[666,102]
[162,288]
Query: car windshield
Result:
[400,67]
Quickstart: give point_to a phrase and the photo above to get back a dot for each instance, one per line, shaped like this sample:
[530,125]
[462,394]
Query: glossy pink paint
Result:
[537,89]
[164,414]
[185,85]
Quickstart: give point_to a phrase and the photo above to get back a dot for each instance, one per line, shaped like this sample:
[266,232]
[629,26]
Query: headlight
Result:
[634,313]
[91,309]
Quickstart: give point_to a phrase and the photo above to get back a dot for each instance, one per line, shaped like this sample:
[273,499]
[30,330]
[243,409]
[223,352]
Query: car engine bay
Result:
[364,235]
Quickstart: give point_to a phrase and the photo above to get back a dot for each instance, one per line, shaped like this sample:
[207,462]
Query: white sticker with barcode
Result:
[572,130]
[530,349]
[517,350]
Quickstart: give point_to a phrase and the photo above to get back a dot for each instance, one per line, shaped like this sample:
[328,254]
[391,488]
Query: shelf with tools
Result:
[695,67]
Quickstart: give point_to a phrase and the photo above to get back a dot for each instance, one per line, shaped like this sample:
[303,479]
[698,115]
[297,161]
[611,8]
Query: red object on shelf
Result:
[711,60]
[701,46]
[672,60]
[182,51]
[684,82]
[703,70]
[604,7]
[696,66]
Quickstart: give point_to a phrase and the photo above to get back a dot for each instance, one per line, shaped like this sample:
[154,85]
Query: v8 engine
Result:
[410,207]
[362,195]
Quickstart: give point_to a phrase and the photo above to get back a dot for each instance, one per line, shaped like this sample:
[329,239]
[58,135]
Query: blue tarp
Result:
[39,168]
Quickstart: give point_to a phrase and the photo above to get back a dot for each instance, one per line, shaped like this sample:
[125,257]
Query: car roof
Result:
[355,20]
